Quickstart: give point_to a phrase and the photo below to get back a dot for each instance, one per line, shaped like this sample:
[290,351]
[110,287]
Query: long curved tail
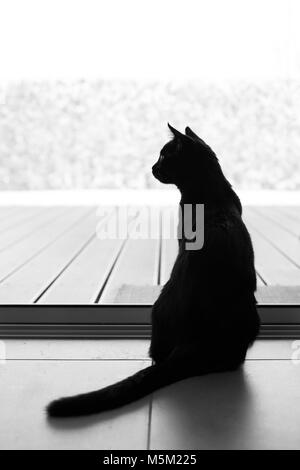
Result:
[121,393]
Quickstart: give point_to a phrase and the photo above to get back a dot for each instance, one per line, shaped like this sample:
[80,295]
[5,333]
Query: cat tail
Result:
[121,393]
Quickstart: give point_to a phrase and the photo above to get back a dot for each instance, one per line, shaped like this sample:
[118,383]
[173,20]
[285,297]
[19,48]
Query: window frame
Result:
[119,321]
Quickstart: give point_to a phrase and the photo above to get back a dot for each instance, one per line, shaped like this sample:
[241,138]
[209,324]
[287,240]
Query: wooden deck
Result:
[51,256]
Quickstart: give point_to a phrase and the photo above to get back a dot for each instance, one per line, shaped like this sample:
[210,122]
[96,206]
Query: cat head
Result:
[186,159]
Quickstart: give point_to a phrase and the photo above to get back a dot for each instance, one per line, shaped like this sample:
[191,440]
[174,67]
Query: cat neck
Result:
[226,201]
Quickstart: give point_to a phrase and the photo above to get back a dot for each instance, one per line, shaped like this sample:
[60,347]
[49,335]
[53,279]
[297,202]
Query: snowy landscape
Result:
[106,134]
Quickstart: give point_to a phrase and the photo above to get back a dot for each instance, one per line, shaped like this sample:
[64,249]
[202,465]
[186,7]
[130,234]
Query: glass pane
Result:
[86,90]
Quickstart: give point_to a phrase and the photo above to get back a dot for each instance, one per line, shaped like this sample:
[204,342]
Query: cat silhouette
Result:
[205,318]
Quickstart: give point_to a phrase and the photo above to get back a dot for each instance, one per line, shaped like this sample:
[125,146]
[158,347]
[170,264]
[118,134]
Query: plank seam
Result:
[73,258]
[261,278]
[18,220]
[82,248]
[274,245]
[288,214]
[34,230]
[117,257]
[44,247]
[273,220]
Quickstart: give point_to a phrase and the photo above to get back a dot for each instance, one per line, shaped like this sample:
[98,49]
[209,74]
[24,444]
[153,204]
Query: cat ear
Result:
[178,134]
[194,136]
[190,133]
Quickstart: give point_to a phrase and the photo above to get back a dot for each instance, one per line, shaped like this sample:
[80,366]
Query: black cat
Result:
[205,317]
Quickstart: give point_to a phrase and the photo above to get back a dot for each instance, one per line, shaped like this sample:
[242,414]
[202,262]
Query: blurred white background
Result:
[87,87]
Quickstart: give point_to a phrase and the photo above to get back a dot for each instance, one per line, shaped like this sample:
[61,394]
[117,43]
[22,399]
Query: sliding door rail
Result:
[118,321]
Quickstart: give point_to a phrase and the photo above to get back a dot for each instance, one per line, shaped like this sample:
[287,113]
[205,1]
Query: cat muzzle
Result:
[158,174]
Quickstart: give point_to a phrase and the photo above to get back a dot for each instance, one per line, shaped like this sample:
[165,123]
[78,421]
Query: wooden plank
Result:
[82,281]
[83,278]
[280,218]
[259,279]
[27,387]
[31,280]
[9,211]
[286,243]
[18,217]
[271,265]
[292,211]
[15,256]
[137,265]
[88,272]
[19,232]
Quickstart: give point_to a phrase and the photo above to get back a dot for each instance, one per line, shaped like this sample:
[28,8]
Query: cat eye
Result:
[166,155]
